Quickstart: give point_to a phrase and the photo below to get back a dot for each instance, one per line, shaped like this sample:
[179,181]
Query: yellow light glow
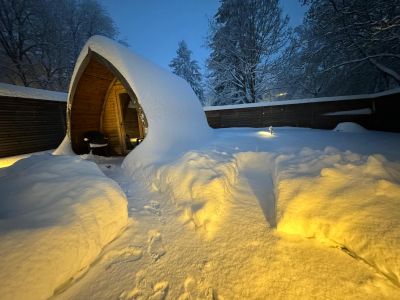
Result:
[265,134]
[281,94]
[9,161]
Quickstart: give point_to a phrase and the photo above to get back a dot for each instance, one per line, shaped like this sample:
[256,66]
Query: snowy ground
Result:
[299,214]
[56,215]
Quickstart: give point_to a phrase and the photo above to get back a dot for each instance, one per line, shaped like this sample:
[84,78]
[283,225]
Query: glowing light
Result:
[269,132]
[9,161]
[281,94]
[265,134]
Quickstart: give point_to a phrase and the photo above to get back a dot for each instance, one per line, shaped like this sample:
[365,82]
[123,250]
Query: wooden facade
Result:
[30,125]
[120,120]
[100,101]
[384,111]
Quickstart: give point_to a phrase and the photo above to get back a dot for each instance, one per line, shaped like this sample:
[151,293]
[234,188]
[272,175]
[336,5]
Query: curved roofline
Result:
[81,69]
[173,111]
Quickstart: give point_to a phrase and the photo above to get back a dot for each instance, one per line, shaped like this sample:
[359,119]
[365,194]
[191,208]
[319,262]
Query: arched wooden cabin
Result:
[101,100]
[126,97]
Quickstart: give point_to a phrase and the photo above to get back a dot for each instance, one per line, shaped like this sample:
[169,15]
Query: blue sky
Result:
[153,28]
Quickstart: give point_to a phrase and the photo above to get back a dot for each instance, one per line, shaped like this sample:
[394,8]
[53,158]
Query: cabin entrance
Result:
[121,122]
[106,113]
[131,129]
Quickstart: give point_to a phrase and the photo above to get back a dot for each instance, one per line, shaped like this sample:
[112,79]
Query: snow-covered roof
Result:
[176,120]
[15,91]
[303,101]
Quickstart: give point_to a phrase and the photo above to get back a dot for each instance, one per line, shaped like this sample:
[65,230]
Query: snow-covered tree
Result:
[344,47]
[245,38]
[184,66]
[41,39]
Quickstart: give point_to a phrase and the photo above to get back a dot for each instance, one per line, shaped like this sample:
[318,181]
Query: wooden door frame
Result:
[120,118]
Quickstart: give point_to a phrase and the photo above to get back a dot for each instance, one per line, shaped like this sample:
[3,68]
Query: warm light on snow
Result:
[266,134]
[56,215]
[311,215]
[196,213]
[9,161]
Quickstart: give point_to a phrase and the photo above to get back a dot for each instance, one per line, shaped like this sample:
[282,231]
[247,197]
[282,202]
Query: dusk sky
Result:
[153,28]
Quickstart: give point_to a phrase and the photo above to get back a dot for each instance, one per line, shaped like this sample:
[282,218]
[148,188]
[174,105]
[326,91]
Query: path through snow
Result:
[229,221]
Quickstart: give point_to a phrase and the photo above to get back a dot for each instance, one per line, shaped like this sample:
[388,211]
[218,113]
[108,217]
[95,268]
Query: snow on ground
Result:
[350,127]
[10,160]
[56,215]
[299,214]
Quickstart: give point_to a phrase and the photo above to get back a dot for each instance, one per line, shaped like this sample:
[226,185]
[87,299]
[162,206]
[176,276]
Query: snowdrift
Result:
[200,185]
[350,127]
[340,198]
[344,200]
[56,215]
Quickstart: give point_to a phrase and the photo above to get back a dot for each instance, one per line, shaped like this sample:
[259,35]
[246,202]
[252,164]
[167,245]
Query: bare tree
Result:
[41,39]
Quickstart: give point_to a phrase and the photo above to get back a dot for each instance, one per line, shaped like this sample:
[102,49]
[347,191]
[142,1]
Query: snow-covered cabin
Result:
[126,97]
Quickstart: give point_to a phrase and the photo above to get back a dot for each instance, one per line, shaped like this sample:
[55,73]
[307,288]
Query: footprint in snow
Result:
[155,247]
[153,207]
[145,289]
[193,290]
[127,254]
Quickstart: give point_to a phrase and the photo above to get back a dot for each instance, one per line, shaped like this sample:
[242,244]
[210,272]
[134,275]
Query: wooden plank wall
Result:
[131,123]
[385,114]
[87,105]
[111,119]
[30,125]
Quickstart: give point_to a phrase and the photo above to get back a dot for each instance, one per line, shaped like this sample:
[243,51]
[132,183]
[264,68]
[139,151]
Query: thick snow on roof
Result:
[353,112]
[302,101]
[175,117]
[15,91]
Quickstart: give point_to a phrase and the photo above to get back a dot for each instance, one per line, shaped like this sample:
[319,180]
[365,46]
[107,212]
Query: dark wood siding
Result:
[385,111]
[88,101]
[30,125]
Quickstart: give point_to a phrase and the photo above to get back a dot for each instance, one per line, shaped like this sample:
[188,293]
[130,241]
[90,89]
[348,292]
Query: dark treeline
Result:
[343,47]
[41,39]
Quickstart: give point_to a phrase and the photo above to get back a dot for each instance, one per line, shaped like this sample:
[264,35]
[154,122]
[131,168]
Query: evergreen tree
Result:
[184,66]
[245,37]
[343,48]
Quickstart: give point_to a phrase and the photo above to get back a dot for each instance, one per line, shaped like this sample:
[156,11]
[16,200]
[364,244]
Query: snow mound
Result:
[350,127]
[56,215]
[200,185]
[346,201]
[15,91]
